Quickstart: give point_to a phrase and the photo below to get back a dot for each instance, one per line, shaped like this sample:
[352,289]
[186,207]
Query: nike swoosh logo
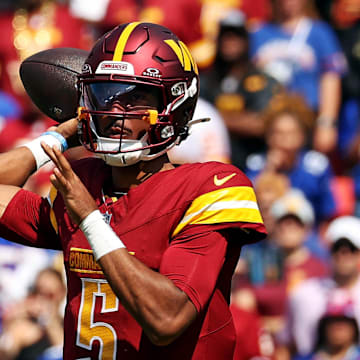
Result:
[219,182]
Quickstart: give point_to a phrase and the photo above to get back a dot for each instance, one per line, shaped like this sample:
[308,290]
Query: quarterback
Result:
[149,247]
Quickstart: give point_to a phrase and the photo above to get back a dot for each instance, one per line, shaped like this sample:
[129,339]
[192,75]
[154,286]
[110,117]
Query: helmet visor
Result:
[101,96]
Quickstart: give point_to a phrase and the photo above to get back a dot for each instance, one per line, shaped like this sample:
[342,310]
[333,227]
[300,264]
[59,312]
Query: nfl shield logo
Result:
[107,217]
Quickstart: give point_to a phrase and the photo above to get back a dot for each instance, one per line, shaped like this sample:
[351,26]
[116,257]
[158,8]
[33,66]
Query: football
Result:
[50,79]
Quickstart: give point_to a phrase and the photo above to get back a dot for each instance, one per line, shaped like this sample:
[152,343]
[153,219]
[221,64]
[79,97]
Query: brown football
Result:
[50,79]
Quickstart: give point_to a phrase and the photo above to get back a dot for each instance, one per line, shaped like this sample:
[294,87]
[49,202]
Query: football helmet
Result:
[151,76]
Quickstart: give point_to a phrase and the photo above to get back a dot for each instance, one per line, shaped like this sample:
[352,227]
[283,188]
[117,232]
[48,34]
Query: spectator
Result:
[269,187]
[213,12]
[209,140]
[344,18]
[294,218]
[262,262]
[308,304]
[238,89]
[304,54]
[259,263]
[35,325]
[9,107]
[19,266]
[288,121]
[337,333]
[353,160]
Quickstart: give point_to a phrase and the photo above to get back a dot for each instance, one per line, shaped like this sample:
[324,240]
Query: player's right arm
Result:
[18,164]
[25,217]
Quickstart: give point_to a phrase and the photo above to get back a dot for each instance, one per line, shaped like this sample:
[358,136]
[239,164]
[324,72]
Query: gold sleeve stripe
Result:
[120,46]
[51,199]
[233,204]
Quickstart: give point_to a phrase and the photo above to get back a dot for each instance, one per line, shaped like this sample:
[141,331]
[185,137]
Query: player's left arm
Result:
[161,308]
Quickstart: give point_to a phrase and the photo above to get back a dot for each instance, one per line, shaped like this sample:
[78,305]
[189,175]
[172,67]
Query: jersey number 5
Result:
[88,330]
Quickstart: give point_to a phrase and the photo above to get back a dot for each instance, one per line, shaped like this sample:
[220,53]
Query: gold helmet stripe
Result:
[189,56]
[177,50]
[183,53]
[120,46]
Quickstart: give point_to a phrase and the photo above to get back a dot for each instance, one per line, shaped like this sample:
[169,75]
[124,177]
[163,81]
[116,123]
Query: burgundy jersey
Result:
[187,223]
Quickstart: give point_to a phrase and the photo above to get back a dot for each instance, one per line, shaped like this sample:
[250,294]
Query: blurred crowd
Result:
[280,80]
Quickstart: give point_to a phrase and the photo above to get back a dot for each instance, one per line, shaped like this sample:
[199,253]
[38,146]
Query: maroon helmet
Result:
[131,60]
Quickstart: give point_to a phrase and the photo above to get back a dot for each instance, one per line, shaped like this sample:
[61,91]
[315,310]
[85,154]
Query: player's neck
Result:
[126,178]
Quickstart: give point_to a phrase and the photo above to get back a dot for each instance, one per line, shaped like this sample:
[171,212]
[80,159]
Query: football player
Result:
[149,248]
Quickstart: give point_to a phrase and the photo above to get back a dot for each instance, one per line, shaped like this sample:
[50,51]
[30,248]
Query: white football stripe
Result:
[223,205]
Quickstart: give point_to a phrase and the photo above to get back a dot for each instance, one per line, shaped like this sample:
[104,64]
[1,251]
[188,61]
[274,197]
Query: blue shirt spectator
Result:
[298,59]
[311,173]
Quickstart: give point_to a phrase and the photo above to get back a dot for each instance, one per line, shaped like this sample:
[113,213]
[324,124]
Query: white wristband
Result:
[50,138]
[100,235]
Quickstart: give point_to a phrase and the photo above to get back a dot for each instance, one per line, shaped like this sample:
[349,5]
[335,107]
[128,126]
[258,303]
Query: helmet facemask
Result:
[108,107]
[114,103]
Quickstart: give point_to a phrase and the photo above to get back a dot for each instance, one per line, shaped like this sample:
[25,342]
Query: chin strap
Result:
[125,158]
[131,158]
[186,129]
[197,121]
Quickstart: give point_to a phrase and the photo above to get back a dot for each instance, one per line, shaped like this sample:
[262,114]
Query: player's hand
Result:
[68,130]
[78,200]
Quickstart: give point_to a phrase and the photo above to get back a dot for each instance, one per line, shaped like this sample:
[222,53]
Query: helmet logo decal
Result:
[152,72]
[183,54]
[115,67]
[120,46]
[86,69]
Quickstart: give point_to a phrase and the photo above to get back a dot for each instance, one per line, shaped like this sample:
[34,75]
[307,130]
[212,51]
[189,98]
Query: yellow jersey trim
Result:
[52,196]
[100,272]
[232,204]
